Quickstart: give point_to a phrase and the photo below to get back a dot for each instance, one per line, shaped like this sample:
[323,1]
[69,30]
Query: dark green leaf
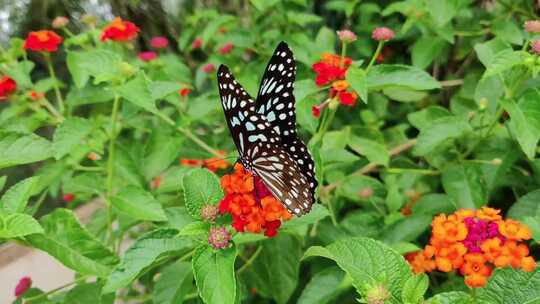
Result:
[465,185]
[322,287]
[201,187]
[18,149]
[69,135]
[173,284]
[16,198]
[138,204]
[386,75]
[214,274]
[441,130]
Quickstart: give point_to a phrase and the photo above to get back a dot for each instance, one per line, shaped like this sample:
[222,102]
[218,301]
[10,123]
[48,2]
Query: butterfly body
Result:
[264,132]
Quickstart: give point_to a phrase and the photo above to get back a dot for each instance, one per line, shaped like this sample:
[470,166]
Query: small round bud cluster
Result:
[377,295]
[60,22]
[219,237]
[346,36]
[382,34]
[532,26]
[209,213]
[535,46]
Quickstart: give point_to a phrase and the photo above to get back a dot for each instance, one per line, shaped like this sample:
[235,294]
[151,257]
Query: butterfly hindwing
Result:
[276,102]
[282,176]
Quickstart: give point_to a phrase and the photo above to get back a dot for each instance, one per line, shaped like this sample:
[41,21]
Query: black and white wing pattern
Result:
[276,102]
[282,176]
[246,126]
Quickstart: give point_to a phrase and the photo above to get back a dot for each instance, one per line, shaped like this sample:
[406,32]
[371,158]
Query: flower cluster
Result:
[252,206]
[213,164]
[119,30]
[7,87]
[331,69]
[473,242]
[43,41]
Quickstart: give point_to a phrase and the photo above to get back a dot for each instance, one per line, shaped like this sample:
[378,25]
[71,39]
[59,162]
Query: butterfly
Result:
[264,131]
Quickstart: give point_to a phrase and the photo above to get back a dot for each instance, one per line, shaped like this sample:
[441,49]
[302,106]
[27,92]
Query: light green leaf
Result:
[69,135]
[161,152]
[99,63]
[214,274]
[274,273]
[426,49]
[326,39]
[525,120]
[304,88]
[138,204]
[201,187]
[486,51]
[424,118]
[511,286]
[263,5]
[507,30]
[374,151]
[385,266]
[88,293]
[387,75]
[452,297]
[87,183]
[194,228]
[20,72]
[70,243]
[16,198]
[18,225]
[161,89]
[142,254]
[18,149]
[415,288]
[304,116]
[525,206]
[317,213]
[137,92]
[323,286]
[441,130]
[358,80]
[465,185]
[406,229]
[173,284]
[503,61]
[404,94]
[2,181]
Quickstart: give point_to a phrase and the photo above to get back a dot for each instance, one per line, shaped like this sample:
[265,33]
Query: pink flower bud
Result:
[197,43]
[159,42]
[68,197]
[147,56]
[209,213]
[219,237]
[532,26]
[535,46]
[382,34]
[60,22]
[226,48]
[346,36]
[208,68]
[24,284]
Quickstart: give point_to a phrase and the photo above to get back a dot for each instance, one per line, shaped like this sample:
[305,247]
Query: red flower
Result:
[184,92]
[226,48]
[119,30]
[147,56]
[331,67]
[42,41]
[316,111]
[208,68]
[156,182]
[347,98]
[24,284]
[382,34]
[68,197]
[159,42]
[35,96]
[197,43]
[7,87]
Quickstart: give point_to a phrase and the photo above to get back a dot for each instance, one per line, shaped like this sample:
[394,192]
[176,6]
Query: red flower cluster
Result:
[209,68]
[42,41]
[473,242]
[119,30]
[7,87]
[147,56]
[252,206]
[226,48]
[213,164]
[159,42]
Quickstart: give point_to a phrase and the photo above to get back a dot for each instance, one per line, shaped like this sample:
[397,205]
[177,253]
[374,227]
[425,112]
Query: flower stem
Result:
[110,163]
[343,53]
[59,98]
[189,135]
[250,260]
[45,294]
[45,102]
[375,55]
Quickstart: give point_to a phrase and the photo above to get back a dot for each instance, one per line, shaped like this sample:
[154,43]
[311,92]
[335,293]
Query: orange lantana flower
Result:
[449,228]
[514,230]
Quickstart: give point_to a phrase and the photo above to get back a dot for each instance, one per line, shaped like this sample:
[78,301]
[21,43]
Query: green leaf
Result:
[2,182]
[214,274]
[274,273]
[173,284]
[99,63]
[161,152]
[374,151]
[69,135]
[358,80]
[434,203]
[426,49]
[194,228]
[161,89]
[525,206]
[142,254]
[89,94]
[87,183]
[138,204]
[507,30]
[441,130]
[465,185]
[16,198]
[18,149]
[317,213]
[304,116]
[20,72]
[87,293]
[385,267]
[263,5]
[17,225]
[304,88]
[503,61]
[201,187]
[323,286]
[404,94]
[486,51]
[424,118]
[453,297]
[406,229]
[326,39]
[387,75]
[511,286]
[70,243]
[415,288]
[525,120]
[137,92]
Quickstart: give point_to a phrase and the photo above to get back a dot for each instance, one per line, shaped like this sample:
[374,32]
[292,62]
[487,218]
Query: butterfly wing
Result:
[276,102]
[246,126]
[282,176]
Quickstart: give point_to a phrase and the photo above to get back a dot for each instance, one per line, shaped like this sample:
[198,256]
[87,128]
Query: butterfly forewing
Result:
[276,102]
[246,126]
[282,176]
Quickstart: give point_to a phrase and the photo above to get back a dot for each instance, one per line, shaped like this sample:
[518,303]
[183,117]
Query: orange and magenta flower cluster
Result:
[119,30]
[213,164]
[252,207]
[331,69]
[474,242]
